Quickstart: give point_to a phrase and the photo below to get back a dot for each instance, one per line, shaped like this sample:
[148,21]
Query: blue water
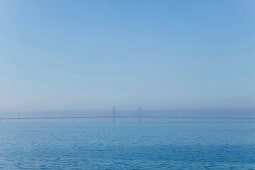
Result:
[83,145]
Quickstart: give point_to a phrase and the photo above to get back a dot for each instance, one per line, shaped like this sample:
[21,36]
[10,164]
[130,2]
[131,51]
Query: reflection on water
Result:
[84,145]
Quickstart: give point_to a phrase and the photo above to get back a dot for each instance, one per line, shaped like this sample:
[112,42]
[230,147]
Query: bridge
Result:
[115,118]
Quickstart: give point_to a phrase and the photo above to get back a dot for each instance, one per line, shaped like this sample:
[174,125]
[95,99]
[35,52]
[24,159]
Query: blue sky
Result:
[158,54]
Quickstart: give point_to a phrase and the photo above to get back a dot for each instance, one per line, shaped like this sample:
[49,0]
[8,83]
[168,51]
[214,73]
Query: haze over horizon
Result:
[92,54]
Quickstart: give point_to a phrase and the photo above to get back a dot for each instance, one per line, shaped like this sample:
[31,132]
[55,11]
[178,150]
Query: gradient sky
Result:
[76,55]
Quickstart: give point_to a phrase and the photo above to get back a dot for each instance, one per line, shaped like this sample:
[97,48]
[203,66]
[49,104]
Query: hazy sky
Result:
[78,54]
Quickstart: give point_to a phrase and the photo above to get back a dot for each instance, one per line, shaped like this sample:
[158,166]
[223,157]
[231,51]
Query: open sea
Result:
[106,145]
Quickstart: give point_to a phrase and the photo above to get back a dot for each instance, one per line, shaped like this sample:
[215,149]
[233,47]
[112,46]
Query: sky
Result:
[157,54]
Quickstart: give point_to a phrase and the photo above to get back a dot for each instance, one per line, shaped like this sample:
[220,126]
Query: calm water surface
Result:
[83,145]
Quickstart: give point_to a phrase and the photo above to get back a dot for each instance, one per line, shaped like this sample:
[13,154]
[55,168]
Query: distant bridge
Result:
[114,117]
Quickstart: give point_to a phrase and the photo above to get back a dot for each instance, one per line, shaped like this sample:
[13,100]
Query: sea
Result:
[77,144]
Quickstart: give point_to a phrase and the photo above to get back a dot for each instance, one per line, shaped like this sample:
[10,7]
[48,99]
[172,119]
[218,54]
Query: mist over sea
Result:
[127,85]
[204,113]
